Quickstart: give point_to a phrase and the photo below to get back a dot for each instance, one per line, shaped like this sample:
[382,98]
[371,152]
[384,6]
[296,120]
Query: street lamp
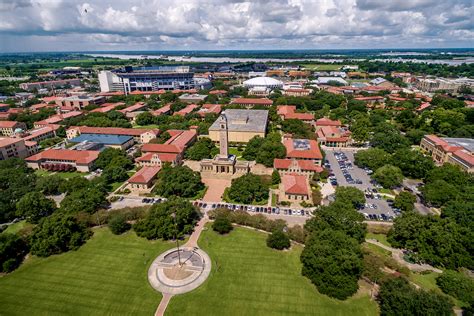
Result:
[173,215]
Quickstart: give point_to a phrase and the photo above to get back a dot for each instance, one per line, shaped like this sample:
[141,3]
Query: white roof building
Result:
[326,80]
[265,82]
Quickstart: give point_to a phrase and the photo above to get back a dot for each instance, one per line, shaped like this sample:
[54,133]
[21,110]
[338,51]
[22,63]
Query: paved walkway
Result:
[397,254]
[191,243]
[215,189]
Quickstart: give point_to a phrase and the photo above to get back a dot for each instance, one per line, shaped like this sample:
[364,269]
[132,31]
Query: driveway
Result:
[357,173]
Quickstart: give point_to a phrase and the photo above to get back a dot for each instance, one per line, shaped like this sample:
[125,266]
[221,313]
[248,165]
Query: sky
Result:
[67,25]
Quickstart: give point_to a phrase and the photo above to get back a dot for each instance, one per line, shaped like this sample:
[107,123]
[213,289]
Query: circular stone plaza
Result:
[176,273]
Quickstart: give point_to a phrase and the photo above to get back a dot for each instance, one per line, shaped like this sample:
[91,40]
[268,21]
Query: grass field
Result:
[322,67]
[381,238]
[106,276]
[146,126]
[248,278]
[64,175]
[14,228]
[377,249]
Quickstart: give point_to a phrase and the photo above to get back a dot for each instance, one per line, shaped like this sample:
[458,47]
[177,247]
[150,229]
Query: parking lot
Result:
[346,173]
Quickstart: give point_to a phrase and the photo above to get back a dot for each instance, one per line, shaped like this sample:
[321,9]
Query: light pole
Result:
[173,215]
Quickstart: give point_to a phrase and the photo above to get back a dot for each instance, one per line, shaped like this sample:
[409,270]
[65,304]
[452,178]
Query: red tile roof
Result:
[164,157]
[8,124]
[115,130]
[252,101]
[304,165]
[111,93]
[423,106]
[464,156]
[161,148]
[327,122]
[137,106]
[295,184]
[188,109]
[181,138]
[144,175]
[218,92]
[372,98]
[77,156]
[163,110]
[107,107]
[58,118]
[313,151]
[210,108]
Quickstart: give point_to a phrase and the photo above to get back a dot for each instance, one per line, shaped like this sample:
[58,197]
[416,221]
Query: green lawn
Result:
[377,249]
[235,151]
[381,238]
[14,228]
[426,281]
[106,276]
[248,278]
[322,67]
[145,126]
[64,175]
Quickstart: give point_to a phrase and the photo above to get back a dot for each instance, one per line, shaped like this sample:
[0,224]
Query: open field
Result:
[248,278]
[64,175]
[322,67]
[106,276]
[146,126]
[14,228]
[381,238]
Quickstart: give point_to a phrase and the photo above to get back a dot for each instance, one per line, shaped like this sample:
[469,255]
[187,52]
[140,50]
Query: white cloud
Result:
[176,24]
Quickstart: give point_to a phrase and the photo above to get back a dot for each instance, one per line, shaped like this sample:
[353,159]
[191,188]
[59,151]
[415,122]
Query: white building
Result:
[263,82]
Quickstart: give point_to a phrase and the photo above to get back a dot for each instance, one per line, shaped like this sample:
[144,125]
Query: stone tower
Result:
[223,137]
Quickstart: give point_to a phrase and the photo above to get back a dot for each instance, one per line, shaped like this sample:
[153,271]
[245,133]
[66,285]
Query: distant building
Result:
[297,92]
[381,82]
[171,151]
[131,79]
[57,118]
[104,140]
[192,98]
[187,110]
[14,148]
[209,109]
[448,85]
[140,135]
[242,125]
[249,102]
[8,128]
[289,112]
[29,86]
[82,160]
[457,151]
[328,80]
[263,83]
[107,107]
[331,133]
[78,102]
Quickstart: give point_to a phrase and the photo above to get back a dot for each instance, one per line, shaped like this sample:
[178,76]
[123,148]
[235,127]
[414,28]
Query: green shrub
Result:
[457,285]
[278,240]
[222,225]
[118,224]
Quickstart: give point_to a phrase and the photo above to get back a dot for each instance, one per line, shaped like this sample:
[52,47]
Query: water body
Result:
[187,58]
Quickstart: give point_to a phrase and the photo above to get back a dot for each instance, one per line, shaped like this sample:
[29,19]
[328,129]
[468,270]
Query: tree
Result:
[16,179]
[412,163]
[34,206]
[278,240]
[222,225]
[114,174]
[297,128]
[390,141]
[388,176]
[372,158]
[405,201]
[457,285]
[333,262]
[438,241]
[204,148]
[118,224]
[339,215]
[159,223]
[144,118]
[113,156]
[351,195]
[397,297]
[439,192]
[12,251]
[49,185]
[178,181]
[276,179]
[87,200]
[360,128]
[270,150]
[247,189]
[461,211]
[252,148]
[56,234]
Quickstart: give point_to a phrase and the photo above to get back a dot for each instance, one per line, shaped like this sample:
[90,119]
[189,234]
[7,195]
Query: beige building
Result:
[242,125]
[457,151]
[142,136]
[12,148]
[294,188]
[7,128]
[82,160]
[143,180]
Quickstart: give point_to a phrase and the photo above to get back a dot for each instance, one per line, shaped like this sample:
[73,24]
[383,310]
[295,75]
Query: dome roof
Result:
[263,82]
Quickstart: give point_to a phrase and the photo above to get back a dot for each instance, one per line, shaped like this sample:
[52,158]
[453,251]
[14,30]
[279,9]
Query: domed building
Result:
[263,82]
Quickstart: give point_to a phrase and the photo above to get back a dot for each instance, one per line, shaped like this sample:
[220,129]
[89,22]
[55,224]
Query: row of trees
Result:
[264,150]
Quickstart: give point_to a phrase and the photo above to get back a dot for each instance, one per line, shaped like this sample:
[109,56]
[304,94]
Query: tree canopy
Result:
[204,148]
[34,206]
[159,223]
[372,158]
[178,181]
[388,176]
[248,189]
[56,234]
